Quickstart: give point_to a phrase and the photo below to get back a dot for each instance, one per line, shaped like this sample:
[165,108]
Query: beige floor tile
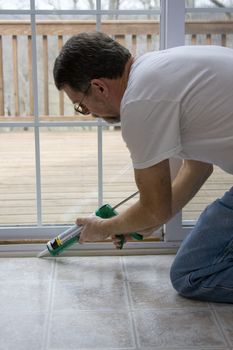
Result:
[70,296]
[87,271]
[147,268]
[159,294]
[24,296]
[21,331]
[178,328]
[217,306]
[19,269]
[225,316]
[90,330]
[149,283]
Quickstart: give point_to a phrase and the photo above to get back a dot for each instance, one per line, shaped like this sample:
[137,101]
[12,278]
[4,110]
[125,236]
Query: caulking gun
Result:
[70,236]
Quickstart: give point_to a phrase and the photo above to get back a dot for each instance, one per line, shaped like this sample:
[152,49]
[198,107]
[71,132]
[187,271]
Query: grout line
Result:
[220,326]
[131,310]
[49,311]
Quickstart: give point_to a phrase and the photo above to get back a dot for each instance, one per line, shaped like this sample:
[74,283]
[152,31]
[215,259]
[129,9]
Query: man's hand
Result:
[92,229]
[128,238]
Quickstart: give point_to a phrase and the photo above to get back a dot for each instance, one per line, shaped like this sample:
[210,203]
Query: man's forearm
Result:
[135,218]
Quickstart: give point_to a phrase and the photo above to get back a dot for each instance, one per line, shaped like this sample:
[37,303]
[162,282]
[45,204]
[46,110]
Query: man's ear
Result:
[100,87]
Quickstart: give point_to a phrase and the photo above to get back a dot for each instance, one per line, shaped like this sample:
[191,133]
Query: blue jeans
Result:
[203,266]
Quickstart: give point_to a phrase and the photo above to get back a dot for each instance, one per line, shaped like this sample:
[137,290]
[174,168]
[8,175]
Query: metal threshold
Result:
[92,249]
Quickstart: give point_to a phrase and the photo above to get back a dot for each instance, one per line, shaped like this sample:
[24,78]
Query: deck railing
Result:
[16,92]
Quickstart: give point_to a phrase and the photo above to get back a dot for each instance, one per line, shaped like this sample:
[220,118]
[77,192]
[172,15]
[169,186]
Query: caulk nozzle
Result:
[43,253]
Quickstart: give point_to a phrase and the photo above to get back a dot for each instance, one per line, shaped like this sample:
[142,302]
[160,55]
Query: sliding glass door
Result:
[55,164]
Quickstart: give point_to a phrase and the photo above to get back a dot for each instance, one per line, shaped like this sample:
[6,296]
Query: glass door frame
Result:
[40,231]
[172,33]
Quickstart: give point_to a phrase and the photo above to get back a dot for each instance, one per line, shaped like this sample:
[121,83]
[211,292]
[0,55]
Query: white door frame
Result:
[173,34]
[172,20]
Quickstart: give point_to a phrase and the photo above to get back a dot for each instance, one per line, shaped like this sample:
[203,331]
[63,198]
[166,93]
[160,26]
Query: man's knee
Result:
[180,279]
[186,285]
[177,280]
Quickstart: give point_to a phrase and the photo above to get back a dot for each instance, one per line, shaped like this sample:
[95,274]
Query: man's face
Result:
[93,103]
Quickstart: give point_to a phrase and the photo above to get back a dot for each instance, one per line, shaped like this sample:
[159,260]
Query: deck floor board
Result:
[69,176]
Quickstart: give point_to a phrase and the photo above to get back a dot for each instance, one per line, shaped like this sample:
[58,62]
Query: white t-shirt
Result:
[179,103]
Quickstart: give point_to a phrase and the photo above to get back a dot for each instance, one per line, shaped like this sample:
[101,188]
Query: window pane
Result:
[69,173]
[139,35]
[65,5]
[209,29]
[16,95]
[117,169]
[52,33]
[17,177]
[130,5]
[15,5]
[208,3]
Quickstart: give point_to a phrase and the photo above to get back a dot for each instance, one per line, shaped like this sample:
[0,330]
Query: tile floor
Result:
[104,303]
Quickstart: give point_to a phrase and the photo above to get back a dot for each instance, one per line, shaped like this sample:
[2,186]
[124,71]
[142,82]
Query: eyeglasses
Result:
[80,107]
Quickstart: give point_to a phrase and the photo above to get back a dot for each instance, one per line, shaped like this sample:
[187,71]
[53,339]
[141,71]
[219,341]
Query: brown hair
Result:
[87,56]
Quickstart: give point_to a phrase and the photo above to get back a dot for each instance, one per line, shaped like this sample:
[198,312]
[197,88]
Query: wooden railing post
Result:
[208,39]
[134,44]
[1,80]
[193,39]
[31,105]
[46,74]
[224,40]
[61,93]
[149,42]
[15,74]
[120,39]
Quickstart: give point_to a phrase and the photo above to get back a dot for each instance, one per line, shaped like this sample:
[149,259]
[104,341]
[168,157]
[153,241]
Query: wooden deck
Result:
[69,176]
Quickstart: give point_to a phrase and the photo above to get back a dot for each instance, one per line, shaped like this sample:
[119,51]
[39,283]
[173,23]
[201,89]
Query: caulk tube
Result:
[64,240]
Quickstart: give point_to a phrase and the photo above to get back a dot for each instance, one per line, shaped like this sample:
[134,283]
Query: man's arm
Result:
[158,202]
[154,204]
[191,176]
[152,208]
[189,179]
